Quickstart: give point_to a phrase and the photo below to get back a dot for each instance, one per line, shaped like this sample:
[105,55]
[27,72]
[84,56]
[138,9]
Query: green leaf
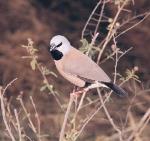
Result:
[52,73]
[24,46]
[50,87]
[47,72]
[43,88]
[85,45]
[33,64]
[84,42]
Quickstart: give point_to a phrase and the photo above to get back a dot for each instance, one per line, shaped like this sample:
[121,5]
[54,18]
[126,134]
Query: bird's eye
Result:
[59,45]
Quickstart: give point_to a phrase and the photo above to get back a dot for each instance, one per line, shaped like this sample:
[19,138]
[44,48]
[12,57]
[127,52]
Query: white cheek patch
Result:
[64,49]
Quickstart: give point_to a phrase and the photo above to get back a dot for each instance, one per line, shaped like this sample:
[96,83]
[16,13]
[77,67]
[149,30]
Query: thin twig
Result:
[109,117]
[81,101]
[27,115]
[18,124]
[141,124]
[133,25]
[62,132]
[100,17]
[4,112]
[91,116]
[92,43]
[116,60]
[47,84]
[90,18]
[37,118]
[111,30]
[9,84]
[133,125]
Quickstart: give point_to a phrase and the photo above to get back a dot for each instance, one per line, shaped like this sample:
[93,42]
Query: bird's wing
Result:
[77,63]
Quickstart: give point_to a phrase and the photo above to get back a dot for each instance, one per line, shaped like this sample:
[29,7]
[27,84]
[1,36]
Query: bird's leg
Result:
[75,88]
[75,97]
[74,93]
[77,93]
[85,89]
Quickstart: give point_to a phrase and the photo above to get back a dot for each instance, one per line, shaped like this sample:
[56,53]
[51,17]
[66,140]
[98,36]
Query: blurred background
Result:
[42,19]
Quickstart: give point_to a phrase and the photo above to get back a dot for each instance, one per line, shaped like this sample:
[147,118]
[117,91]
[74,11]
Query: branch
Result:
[139,128]
[2,92]
[62,132]
[109,117]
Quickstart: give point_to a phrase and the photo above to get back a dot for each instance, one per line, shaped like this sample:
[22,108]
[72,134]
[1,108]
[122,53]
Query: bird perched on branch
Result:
[77,67]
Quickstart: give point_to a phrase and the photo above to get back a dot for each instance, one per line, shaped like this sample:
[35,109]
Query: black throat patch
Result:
[57,55]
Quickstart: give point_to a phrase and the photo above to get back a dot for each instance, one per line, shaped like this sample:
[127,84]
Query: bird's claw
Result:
[77,93]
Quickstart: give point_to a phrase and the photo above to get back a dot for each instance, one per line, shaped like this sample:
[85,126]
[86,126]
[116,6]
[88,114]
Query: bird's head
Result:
[59,46]
[60,43]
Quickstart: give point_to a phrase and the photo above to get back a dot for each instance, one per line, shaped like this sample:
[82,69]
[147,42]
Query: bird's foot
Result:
[78,93]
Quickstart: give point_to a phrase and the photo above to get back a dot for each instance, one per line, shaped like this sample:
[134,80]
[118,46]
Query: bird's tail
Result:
[118,90]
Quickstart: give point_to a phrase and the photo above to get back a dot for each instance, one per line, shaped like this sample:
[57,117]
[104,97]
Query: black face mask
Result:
[57,55]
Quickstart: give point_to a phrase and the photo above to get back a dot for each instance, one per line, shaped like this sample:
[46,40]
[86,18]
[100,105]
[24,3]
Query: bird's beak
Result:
[52,46]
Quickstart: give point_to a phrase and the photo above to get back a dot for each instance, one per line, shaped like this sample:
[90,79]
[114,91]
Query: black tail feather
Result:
[118,90]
